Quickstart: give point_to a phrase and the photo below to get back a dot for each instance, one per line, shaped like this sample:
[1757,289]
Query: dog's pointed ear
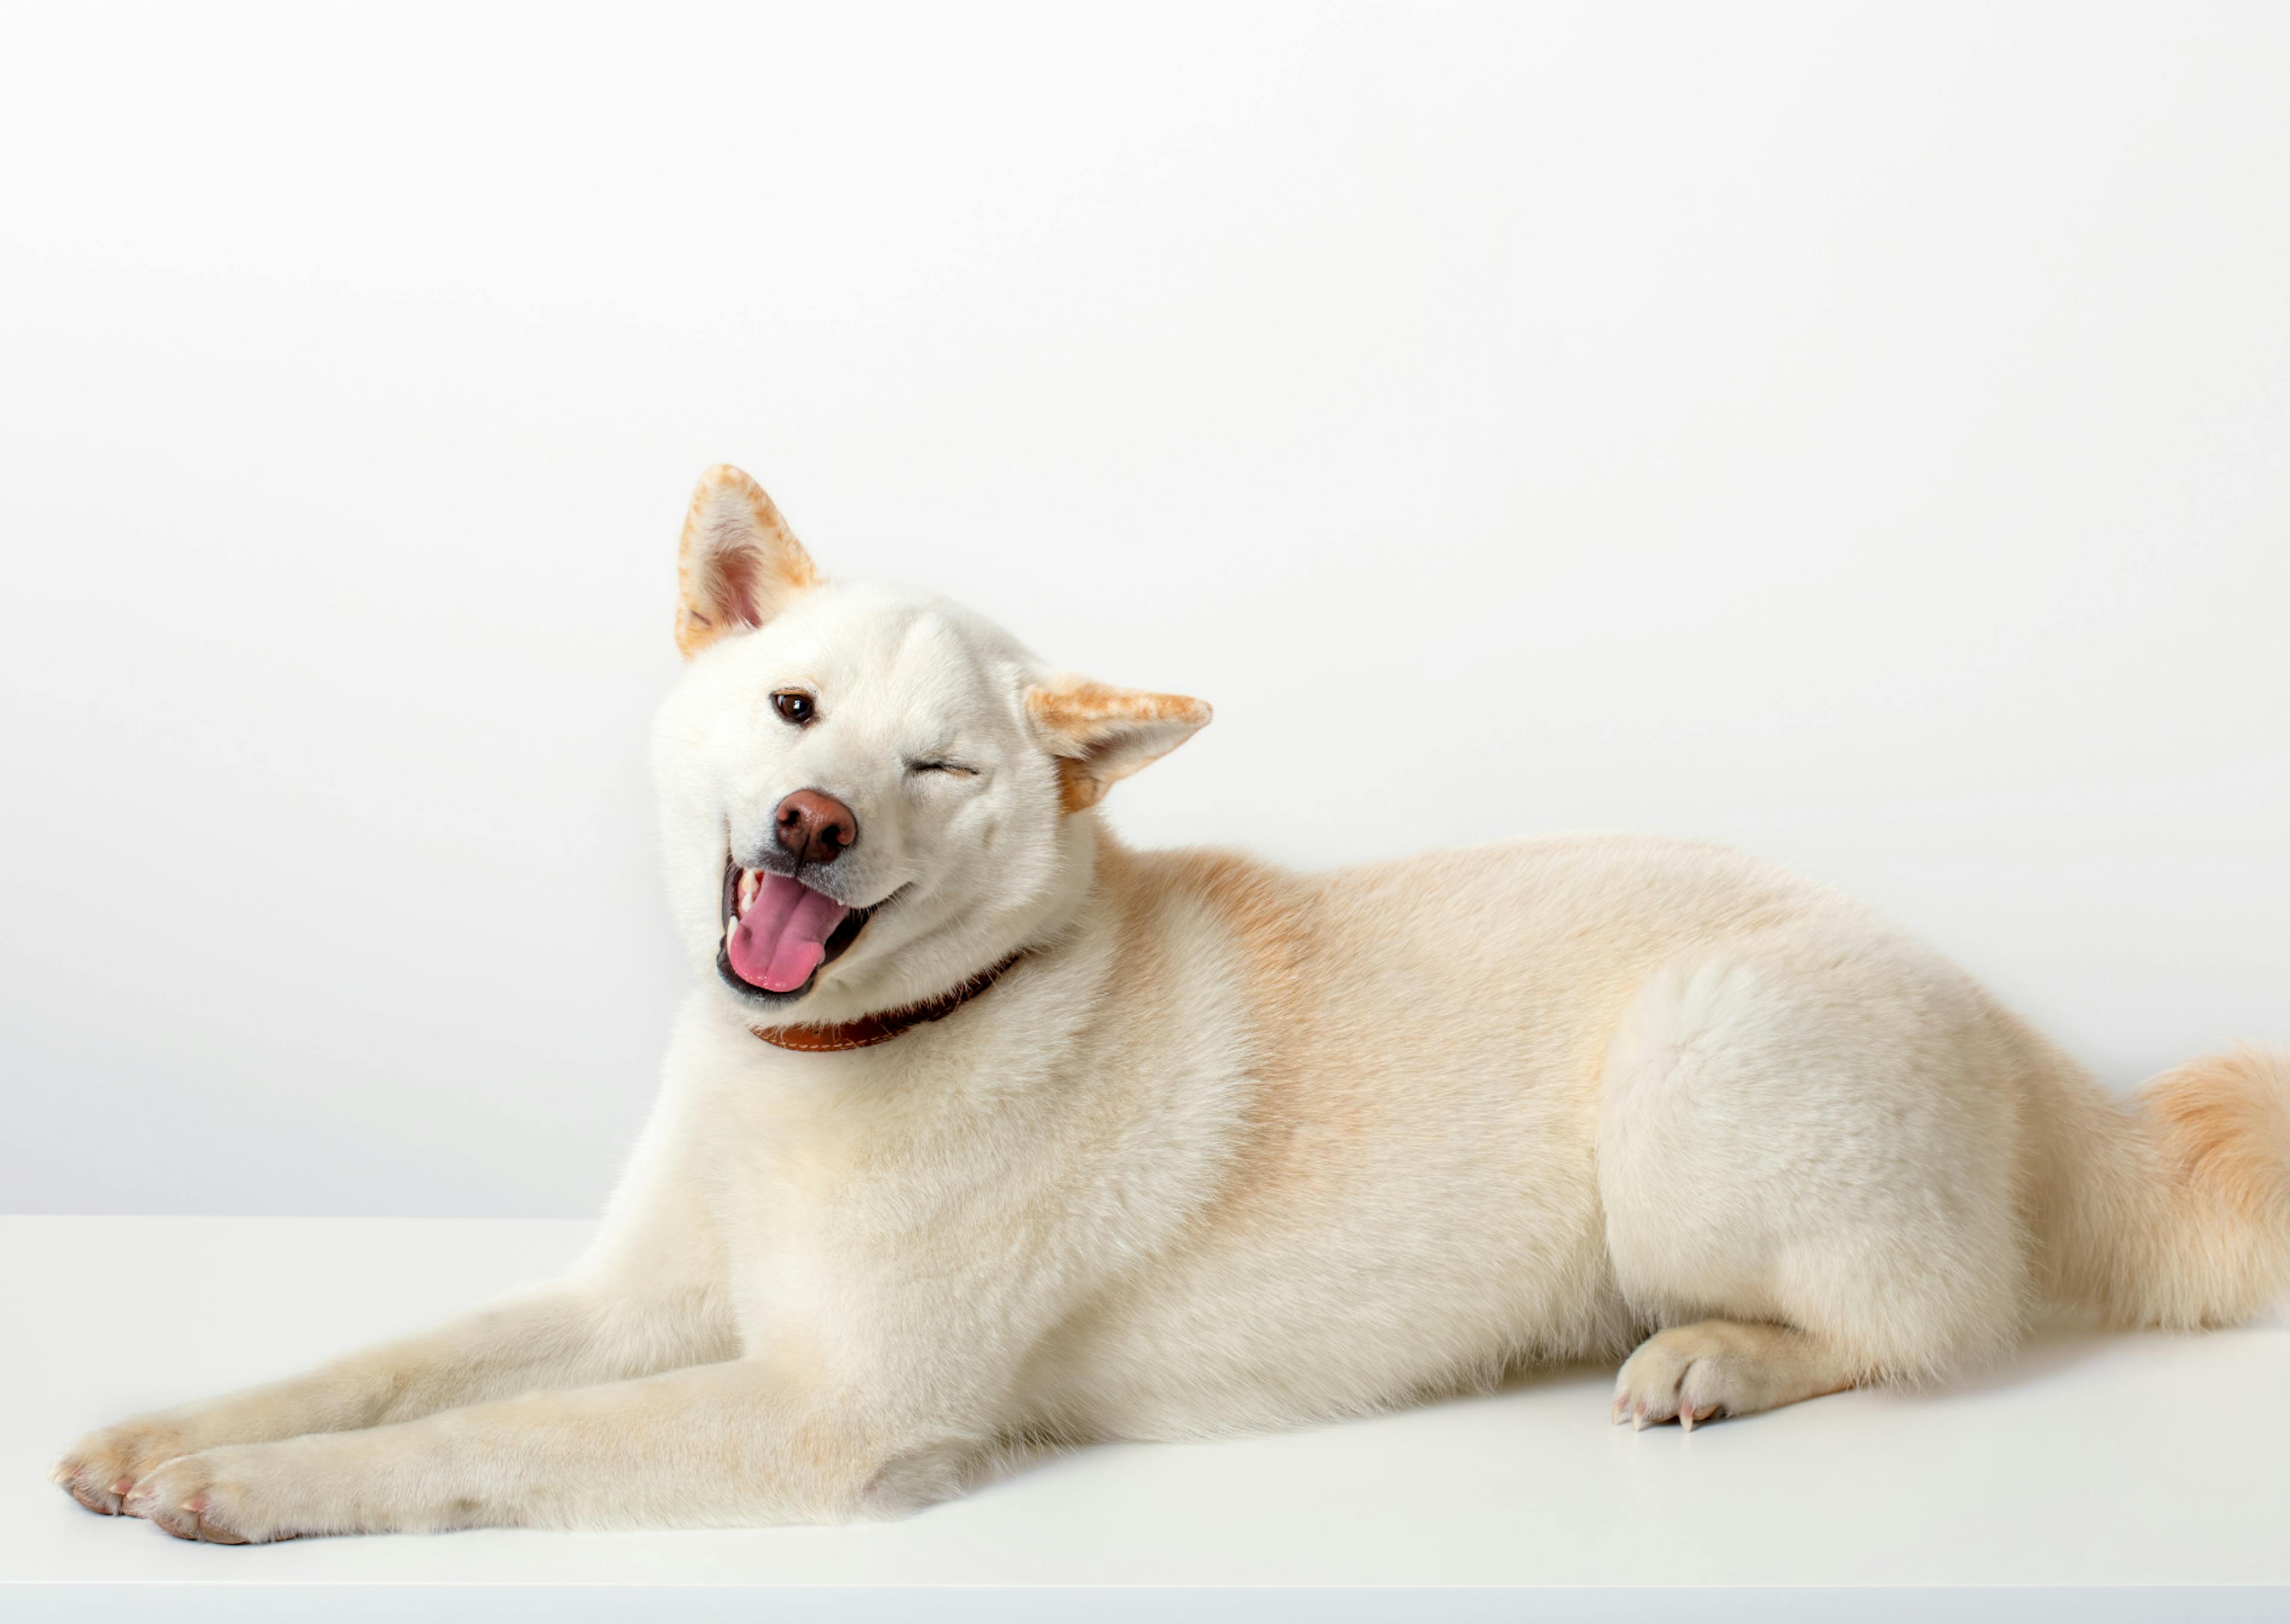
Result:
[1100,735]
[739,563]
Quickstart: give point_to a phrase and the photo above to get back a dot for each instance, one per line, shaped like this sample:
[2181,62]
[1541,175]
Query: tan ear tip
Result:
[719,474]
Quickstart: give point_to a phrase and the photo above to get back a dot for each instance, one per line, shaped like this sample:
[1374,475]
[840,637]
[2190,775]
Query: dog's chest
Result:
[842,1215]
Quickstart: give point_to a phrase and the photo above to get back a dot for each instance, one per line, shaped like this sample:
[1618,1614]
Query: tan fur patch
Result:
[2224,1126]
[1295,1102]
[1304,1103]
[737,563]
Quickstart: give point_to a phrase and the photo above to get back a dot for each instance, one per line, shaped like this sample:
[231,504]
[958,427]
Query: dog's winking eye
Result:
[954,767]
[796,707]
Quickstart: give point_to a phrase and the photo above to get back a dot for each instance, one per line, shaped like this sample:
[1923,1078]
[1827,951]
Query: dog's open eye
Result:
[796,707]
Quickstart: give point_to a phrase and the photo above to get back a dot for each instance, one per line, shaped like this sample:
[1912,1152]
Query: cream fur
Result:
[1232,1147]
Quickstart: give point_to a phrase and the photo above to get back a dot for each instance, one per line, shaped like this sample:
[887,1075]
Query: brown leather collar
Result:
[868,1030]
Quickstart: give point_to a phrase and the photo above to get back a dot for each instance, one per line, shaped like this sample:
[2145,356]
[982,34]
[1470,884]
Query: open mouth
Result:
[777,932]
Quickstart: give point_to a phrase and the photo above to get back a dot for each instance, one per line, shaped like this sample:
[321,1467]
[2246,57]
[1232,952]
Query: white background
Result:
[1858,433]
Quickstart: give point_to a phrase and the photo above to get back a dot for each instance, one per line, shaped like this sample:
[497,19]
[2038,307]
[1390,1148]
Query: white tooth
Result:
[730,926]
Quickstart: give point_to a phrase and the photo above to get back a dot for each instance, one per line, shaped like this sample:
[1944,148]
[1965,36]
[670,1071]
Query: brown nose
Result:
[815,827]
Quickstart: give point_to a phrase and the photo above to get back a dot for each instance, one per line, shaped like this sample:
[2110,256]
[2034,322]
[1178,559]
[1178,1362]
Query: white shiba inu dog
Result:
[984,1131]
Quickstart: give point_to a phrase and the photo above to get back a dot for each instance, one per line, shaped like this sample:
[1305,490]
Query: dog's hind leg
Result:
[1806,1147]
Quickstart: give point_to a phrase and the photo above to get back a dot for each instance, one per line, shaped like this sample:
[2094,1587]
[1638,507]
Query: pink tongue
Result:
[784,934]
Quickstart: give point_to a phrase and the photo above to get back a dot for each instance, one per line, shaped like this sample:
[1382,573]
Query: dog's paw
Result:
[1725,1367]
[226,1496]
[1687,1374]
[101,1468]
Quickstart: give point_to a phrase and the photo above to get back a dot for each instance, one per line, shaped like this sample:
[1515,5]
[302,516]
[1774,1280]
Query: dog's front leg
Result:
[646,1299]
[567,1335]
[721,1445]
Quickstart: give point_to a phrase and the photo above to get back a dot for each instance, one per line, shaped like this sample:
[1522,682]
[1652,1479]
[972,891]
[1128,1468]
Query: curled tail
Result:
[2174,1211]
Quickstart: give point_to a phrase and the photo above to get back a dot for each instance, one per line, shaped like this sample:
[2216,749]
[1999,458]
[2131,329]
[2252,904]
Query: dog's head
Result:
[868,795]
